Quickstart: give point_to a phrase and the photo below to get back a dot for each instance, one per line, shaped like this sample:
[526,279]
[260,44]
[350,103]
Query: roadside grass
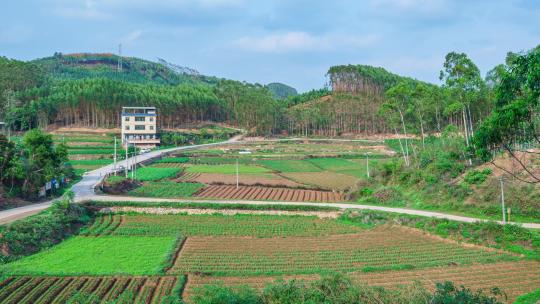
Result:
[232,225]
[530,298]
[227,169]
[166,189]
[290,165]
[154,174]
[104,255]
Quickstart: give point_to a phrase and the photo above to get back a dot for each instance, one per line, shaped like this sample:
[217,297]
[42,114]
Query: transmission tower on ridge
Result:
[120,57]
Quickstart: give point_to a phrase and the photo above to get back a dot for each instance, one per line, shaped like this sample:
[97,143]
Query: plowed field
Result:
[373,250]
[56,290]
[215,178]
[514,278]
[267,193]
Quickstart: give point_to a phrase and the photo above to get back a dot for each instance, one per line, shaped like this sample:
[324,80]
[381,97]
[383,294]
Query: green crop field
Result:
[104,255]
[166,189]
[238,225]
[154,174]
[333,164]
[289,165]
[227,169]
[167,160]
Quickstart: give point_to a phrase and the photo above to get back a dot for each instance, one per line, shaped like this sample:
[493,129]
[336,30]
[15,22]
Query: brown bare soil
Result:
[83,130]
[278,194]
[514,278]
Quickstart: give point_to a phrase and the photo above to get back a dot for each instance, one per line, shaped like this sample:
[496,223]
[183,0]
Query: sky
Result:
[288,41]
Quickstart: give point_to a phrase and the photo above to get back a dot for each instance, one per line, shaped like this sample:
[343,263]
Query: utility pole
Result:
[237,173]
[114,166]
[134,164]
[502,200]
[367,164]
[127,160]
[120,57]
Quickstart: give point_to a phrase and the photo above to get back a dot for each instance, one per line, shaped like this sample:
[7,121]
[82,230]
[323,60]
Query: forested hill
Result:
[106,65]
[364,79]
[281,91]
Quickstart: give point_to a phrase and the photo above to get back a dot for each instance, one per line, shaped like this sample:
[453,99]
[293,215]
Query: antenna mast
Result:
[120,57]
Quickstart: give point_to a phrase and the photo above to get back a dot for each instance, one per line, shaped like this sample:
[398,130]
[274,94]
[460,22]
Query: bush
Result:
[339,289]
[219,294]
[477,177]
[447,293]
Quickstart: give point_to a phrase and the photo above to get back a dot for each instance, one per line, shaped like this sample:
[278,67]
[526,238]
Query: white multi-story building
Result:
[139,127]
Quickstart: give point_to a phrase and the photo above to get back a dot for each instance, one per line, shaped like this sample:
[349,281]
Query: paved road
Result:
[84,190]
[337,205]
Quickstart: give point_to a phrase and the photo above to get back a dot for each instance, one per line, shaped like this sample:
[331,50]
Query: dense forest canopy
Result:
[88,90]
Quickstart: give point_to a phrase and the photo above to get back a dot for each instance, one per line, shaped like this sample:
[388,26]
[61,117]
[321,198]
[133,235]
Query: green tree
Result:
[462,78]
[515,120]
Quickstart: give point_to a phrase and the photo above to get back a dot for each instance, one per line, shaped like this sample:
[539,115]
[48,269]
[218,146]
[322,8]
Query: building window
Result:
[139,127]
[127,118]
[127,127]
[151,118]
[151,127]
[139,118]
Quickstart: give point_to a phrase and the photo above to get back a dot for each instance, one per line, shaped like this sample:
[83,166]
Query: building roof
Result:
[139,108]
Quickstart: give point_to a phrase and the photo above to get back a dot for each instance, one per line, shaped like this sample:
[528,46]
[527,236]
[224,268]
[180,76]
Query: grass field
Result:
[104,255]
[154,174]
[290,165]
[227,169]
[166,189]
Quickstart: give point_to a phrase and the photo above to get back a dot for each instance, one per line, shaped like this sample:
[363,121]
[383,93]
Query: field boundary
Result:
[190,211]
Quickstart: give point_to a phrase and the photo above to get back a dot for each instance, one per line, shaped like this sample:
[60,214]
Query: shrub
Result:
[477,177]
[449,293]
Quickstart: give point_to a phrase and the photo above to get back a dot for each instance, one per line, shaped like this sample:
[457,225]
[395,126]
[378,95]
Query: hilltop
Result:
[105,65]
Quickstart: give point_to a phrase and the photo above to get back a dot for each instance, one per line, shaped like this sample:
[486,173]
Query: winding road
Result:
[84,191]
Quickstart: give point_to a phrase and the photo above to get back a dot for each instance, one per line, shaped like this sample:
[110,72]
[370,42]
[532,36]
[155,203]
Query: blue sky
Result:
[290,41]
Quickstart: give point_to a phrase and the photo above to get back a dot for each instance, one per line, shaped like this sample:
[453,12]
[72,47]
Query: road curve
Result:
[84,191]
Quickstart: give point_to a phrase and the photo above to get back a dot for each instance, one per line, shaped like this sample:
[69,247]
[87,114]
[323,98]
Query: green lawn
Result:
[154,174]
[227,169]
[333,164]
[104,255]
[290,165]
[166,189]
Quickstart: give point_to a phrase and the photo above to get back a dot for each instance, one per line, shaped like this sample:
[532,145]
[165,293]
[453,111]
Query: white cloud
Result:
[302,41]
[131,37]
